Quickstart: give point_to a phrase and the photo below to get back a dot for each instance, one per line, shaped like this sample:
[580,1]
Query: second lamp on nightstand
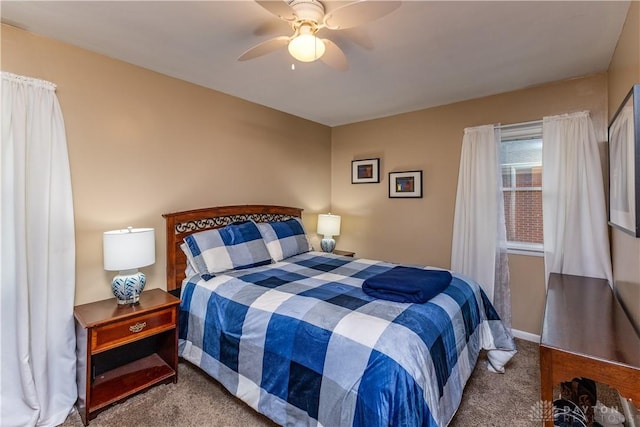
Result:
[328,226]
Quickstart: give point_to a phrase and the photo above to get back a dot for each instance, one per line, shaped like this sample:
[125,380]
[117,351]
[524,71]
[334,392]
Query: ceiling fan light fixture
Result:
[306,47]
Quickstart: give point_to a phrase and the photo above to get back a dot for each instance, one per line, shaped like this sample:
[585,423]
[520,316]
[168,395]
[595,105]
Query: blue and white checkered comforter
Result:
[300,342]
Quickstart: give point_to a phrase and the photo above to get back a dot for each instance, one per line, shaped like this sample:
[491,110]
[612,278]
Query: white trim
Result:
[515,189]
[527,336]
[525,253]
[524,248]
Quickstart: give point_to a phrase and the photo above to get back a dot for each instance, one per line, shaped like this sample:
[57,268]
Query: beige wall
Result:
[624,72]
[420,230]
[142,144]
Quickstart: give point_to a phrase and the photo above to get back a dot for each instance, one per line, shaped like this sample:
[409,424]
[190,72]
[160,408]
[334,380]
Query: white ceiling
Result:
[424,54]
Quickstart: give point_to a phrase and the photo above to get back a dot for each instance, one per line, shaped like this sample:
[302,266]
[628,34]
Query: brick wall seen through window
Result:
[521,161]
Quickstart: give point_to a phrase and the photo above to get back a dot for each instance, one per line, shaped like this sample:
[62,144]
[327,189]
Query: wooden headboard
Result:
[181,224]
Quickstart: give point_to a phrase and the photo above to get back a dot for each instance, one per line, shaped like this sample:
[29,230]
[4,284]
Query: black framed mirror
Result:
[624,165]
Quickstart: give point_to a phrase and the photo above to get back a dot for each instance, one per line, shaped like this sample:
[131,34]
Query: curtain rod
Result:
[514,125]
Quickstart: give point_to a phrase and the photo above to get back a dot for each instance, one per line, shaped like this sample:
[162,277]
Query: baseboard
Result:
[527,336]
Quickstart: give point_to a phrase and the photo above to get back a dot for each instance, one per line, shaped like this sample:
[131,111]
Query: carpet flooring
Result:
[196,400]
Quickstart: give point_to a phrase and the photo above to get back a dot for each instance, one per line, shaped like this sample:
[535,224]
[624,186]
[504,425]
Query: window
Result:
[521,162]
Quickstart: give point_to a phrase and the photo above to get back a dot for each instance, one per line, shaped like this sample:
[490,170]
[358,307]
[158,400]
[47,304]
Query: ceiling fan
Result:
[307,17]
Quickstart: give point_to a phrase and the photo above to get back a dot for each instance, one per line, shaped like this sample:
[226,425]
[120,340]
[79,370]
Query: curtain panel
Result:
[479,247]
[38,258]
[576,239]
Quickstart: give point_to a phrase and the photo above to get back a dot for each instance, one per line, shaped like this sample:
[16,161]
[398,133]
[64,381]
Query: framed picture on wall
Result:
[365,171]
[624,165]
[405,184]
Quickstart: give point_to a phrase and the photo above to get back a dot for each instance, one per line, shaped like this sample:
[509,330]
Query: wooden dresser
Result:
[586,333]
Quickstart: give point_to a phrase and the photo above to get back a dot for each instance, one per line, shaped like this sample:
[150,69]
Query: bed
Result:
[297,338]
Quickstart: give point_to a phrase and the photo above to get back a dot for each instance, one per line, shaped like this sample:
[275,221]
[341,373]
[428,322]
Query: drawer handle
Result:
[137,327]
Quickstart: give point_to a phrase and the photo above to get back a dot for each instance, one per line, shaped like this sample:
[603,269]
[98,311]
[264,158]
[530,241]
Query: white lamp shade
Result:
[329,225]
[128,249]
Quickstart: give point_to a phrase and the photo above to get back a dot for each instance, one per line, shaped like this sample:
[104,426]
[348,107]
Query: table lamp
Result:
[126,251]
[329,226]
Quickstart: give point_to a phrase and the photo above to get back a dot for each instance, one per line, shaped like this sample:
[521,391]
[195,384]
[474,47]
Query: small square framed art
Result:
[405,184]
[365,171]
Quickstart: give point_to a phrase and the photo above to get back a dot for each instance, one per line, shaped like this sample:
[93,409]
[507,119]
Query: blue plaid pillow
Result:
[190,269]
[235,246]
[284,238]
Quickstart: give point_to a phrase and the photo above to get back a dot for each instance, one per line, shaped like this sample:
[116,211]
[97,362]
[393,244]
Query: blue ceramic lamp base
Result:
[127,287]
[328,244]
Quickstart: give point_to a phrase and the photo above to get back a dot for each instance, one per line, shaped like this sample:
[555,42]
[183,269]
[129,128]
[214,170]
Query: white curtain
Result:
[38,258]
[576,239]
[479,247]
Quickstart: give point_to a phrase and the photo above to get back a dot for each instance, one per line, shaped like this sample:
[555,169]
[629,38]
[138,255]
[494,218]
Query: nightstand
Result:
[344,253]
[124,350]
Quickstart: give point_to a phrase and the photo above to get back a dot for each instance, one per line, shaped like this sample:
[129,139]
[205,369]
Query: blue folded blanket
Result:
[407,284]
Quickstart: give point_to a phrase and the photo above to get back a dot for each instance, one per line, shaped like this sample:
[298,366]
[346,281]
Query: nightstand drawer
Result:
[117,333]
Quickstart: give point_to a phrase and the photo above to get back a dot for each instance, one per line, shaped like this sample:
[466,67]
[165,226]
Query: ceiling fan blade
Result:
[358,13]
[334,56]
[272,27]
[279,8]
[264,48]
